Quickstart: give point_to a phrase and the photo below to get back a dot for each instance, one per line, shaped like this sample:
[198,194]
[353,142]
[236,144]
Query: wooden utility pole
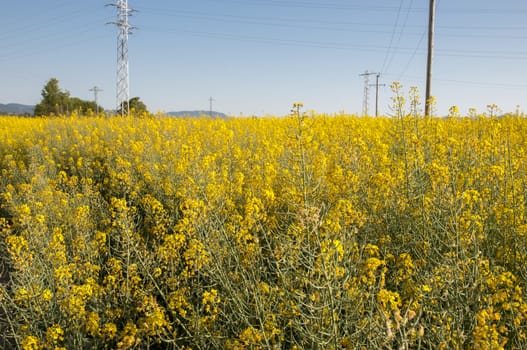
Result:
[431,20]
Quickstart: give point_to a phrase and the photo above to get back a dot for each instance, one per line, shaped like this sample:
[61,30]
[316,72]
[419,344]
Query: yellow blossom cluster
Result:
[305,231]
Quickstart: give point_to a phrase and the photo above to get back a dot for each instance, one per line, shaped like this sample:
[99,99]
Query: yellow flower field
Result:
[299,232]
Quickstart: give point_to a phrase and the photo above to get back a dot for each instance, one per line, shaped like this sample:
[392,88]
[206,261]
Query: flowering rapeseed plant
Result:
[308,231]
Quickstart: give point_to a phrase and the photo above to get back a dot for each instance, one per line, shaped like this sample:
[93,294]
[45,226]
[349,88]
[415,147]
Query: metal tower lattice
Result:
[123,82]
[96,91]
[365,101]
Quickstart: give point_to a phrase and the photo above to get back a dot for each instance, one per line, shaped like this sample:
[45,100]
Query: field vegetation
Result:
[301,232]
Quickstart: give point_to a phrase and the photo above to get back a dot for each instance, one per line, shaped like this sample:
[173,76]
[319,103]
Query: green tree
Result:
[77,104]
[136,106]
[54,100]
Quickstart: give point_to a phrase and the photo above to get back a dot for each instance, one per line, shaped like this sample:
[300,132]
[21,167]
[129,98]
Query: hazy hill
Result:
[20,109]
[196,114]
[16,108]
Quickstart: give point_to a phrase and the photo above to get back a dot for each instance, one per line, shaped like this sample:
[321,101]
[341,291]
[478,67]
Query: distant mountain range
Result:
[16,109]
[196,114]
[20,109]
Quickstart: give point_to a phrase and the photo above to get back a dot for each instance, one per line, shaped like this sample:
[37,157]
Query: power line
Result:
[469,83]
[281,23]
[484,84]
[317,5]
[343,46]
[179,13]
[49,23]
[412,56]
[403,27]
[392,36]
[332,26]
[339,6]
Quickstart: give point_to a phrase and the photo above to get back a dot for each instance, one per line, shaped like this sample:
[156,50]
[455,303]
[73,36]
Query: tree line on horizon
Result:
[56,101]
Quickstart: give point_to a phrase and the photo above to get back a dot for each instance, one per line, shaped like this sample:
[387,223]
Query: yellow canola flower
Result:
[47,295]
[389,300]
[164,213]
[92,323]
[250,336]
[109,331]
[54,334]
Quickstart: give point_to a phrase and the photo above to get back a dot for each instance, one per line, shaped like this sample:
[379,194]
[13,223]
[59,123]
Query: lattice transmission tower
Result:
[96,91]
[365,101]
[123,80]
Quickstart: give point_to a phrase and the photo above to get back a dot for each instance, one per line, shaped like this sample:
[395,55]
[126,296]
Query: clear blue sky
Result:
[259,56]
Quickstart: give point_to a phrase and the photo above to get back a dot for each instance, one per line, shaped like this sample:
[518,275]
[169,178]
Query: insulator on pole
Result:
[123,80]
